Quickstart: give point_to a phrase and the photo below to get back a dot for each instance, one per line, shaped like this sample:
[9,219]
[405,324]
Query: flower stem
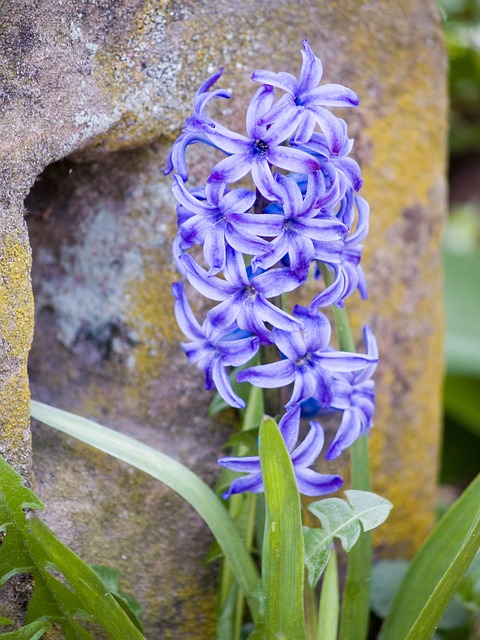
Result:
[328,612]
[356,596]
[242,508]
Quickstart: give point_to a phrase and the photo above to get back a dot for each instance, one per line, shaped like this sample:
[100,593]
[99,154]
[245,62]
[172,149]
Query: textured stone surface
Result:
[91,95]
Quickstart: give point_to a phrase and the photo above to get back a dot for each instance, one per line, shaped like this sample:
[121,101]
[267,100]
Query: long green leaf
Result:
[436,570]
[282,558]
[174,475]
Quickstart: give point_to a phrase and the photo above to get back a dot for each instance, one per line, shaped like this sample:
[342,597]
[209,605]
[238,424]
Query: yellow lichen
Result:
[16,326]
[16,300]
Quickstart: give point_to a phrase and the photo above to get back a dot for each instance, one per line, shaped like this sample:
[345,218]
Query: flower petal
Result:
[269,376]
[252,483]
[311,447]
[312,69]
[282,80]
[293,160]
[224,386]
[311,483]
[289,427]
[184,314]
[348,432]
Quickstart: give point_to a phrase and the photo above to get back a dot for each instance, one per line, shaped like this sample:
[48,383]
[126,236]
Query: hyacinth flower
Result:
[354,394]
[213,349]
[218,220]
[244,296]
[259,243]
[310,483]
[198,120]
[303,236]
[308,362]
[259,150]
[305,99]
[346,167]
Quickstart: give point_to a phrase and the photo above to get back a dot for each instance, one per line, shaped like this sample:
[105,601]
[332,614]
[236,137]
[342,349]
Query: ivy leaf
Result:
[30,547]
[340,519]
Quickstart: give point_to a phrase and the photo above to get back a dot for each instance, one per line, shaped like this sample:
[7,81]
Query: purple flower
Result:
[347,168]
[348,273]
[308,361]
[306,99]
[309,482]
[258,244]
[202,98]
[354,394]
[196,123]
[261,149]
[212,349]
[304,236]
[219,220]
[244,296]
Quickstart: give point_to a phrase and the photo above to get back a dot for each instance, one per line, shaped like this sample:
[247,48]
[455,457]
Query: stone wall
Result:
[92,95]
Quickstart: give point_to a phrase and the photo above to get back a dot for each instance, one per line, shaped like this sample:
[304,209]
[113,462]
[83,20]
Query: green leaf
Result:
[31,631]
[282,558]
[174,475]
[29,546]
[341,519]
[92,592]
[436,570]
[462,305]
[129,604]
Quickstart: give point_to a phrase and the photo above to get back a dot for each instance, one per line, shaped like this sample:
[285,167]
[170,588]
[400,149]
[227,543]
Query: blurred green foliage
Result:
[462,32]
[461,449]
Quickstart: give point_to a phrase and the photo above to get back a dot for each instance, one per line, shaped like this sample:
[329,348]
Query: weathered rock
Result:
[92,93]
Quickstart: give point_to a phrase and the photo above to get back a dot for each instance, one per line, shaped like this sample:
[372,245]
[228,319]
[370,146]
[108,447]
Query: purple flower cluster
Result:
[258,244]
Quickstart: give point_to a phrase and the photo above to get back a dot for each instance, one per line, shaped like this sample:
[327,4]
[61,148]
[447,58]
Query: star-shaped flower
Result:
[304,235]
[260,149]
[308,361]
[309,482]
[244,296]
[305,98]
[220,219]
